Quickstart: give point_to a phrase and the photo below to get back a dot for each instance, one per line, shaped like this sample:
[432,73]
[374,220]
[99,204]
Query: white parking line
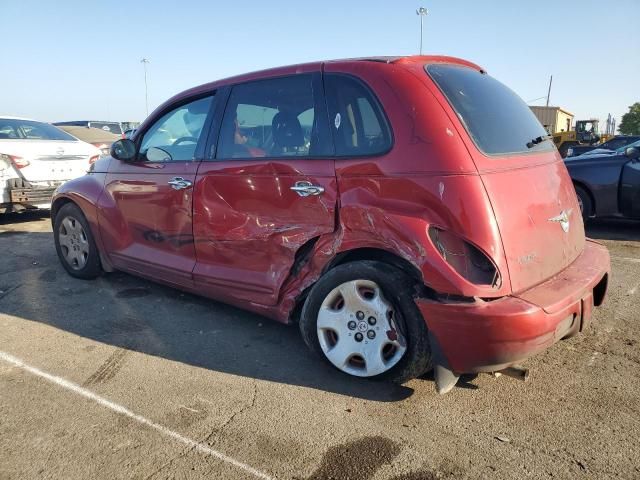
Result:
[204,449]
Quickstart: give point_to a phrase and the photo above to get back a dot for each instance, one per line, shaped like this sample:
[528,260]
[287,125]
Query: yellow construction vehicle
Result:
[585,133]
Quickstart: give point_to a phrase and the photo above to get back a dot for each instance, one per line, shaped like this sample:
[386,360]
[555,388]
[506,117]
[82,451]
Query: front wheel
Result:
[362,319]
[74,243]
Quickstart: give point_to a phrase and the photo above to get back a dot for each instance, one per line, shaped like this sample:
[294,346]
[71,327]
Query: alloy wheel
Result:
[358,329]
[73,243]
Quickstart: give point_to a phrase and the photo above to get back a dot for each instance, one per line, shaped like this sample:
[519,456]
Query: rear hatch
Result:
[531,193]
[539,221]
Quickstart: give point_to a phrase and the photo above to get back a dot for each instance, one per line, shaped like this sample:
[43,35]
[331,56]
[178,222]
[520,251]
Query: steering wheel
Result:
[185,139]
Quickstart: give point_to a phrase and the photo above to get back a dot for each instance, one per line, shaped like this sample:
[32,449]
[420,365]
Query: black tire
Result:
[397,288]
[586,205]
[92,267]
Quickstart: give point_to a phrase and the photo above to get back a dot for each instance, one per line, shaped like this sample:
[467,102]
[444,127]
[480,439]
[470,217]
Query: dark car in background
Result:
[615,143]
[608,184]
[113,127]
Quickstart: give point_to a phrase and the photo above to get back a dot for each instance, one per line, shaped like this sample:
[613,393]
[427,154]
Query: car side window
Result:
[618,143]
[175,135]
[273,118]
[356,117]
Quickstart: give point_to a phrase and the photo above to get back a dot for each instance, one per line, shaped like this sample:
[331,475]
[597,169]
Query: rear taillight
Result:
[5,162]
[17,162]
[465,258]
[103,147]
[93,159]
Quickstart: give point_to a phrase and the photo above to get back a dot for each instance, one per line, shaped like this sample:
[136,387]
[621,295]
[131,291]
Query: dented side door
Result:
[253,215]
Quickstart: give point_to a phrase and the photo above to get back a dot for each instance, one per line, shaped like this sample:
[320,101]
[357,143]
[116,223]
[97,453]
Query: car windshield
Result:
[14,129]
[498,120]
[622,149]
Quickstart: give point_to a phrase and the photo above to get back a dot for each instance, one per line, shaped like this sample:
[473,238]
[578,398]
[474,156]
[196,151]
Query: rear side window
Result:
[497,120]
[274,118]
[356,118]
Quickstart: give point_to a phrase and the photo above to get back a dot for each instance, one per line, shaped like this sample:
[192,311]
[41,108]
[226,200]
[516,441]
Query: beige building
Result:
[554,119]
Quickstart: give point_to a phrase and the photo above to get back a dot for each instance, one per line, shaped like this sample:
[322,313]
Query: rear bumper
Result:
[489,336]
[36,196]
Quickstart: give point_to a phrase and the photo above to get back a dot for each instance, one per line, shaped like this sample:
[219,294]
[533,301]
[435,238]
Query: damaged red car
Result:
[407,213]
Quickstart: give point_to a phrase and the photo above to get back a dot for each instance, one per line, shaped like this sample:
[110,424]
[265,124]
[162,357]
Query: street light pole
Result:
[421,12]
[549,91]
[144,62]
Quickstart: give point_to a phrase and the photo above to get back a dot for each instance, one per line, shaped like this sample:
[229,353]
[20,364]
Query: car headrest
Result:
[287,131]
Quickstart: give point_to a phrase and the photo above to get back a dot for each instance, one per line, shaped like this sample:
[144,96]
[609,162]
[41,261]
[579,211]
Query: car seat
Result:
[287,134]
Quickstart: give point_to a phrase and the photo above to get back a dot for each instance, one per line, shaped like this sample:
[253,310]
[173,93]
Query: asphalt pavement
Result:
[122,378]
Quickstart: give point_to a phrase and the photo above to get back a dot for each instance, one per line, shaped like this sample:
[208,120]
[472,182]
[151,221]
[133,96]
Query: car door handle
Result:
[179,183]
[305,189]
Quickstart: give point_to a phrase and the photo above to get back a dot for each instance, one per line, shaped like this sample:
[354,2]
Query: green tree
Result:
[630,124]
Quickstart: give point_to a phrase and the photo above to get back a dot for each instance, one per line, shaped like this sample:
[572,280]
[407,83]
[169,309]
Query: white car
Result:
[35,158]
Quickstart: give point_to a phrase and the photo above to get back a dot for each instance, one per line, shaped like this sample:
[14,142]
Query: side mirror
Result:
[124,150]
[632,152]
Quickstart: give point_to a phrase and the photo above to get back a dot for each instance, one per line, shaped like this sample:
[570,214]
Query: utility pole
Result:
[421,12]
[549,91]
[144,63]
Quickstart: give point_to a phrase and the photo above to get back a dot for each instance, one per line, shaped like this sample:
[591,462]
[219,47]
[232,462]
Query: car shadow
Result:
[23,217]
[613,229]
[135,314]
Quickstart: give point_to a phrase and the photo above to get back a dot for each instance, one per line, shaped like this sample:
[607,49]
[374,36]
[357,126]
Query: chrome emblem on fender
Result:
[563,219]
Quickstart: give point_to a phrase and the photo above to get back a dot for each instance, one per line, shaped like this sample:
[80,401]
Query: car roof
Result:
[313,67]
[11,117]
[87,121]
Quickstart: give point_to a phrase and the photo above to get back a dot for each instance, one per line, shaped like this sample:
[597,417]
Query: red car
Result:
[408,213]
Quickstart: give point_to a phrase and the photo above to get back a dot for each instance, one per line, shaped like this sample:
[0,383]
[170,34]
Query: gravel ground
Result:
[135,380]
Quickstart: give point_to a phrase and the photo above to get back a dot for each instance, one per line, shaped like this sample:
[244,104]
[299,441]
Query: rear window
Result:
[112,127]
[497,120]
[14,129]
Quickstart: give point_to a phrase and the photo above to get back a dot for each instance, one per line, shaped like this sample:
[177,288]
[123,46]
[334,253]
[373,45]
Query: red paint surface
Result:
[248,224]
[234,236]
[146,225]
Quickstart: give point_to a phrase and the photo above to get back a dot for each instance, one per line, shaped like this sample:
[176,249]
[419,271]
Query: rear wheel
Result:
[75,244]
[585,203]
[362,319]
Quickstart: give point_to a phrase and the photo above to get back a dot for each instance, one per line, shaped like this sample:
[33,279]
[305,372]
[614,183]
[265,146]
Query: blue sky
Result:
[70,60]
